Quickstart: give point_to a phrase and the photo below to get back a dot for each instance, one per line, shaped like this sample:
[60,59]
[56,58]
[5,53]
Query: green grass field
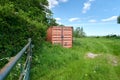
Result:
[52,62]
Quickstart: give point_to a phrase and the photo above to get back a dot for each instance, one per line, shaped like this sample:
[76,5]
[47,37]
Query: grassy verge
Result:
[52,62]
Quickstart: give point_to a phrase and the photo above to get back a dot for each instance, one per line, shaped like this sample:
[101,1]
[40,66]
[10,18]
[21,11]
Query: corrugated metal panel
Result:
[60,35]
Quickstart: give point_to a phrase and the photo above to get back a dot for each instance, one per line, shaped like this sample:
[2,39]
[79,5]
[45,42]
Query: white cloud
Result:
[58,19]
[92,21]
[113,18]
[73,19]
[53,3]
[63,0]
[87,6]
[59,22]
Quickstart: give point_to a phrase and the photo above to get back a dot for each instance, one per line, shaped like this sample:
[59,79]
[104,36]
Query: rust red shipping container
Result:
[60,35]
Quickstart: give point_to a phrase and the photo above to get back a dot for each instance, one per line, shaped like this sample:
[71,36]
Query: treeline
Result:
[79,32]
[110,36]
[20,20]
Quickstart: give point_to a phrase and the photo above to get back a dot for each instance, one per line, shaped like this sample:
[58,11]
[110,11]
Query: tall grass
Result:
[53,62]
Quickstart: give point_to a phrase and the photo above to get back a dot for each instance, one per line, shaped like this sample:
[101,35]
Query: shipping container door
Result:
[67,37]
[56,35]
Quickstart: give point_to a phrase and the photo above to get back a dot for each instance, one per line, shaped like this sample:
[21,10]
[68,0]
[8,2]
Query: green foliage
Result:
[20,20]
[52,22]
[118,20]
[78,32]
[2,62]
[113,36]
[57,63]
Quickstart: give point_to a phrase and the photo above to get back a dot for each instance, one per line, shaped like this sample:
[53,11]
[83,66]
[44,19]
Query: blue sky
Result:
[97,17]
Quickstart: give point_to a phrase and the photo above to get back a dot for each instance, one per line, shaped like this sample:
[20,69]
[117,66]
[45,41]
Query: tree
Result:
[78,32]
[20,20]
[52,22]
[118,20]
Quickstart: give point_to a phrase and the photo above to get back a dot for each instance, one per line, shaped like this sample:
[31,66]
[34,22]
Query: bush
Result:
[20,20]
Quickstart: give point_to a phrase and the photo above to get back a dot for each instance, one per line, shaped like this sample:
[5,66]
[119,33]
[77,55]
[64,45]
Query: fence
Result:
[25,70]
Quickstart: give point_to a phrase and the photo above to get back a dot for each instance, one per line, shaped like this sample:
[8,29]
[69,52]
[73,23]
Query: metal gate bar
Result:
[8,67]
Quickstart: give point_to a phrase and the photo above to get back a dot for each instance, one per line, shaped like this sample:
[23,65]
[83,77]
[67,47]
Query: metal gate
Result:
[4,72]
